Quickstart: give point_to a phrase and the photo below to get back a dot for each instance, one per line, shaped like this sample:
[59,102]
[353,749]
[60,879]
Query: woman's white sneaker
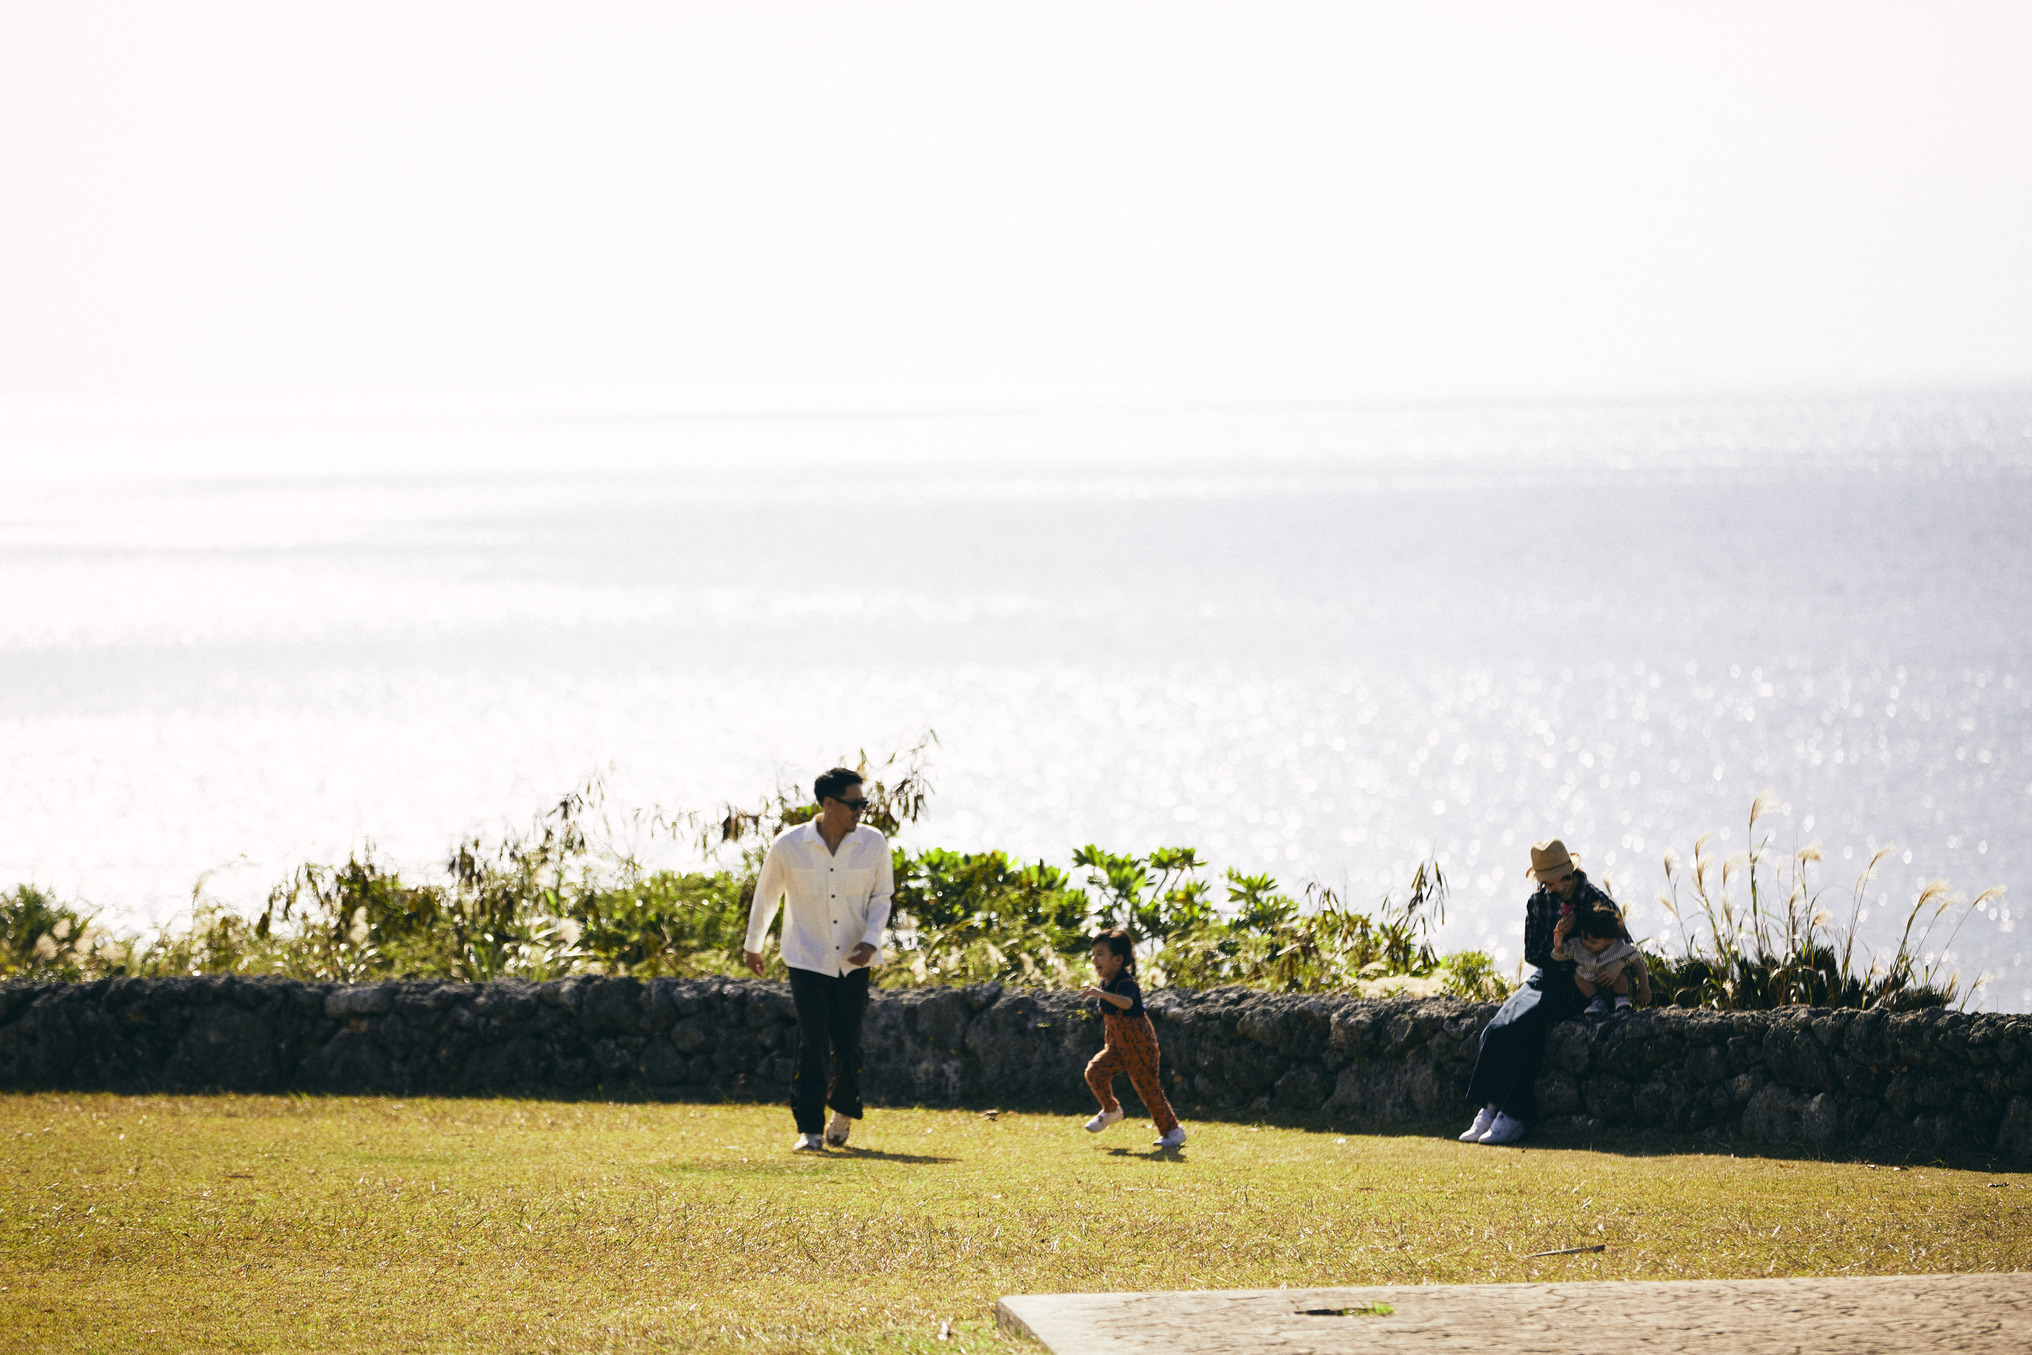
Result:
[1484,1117]
[1506,1129]
[809,1143]
[837,1131]
[1103,1120]
[1174,1139]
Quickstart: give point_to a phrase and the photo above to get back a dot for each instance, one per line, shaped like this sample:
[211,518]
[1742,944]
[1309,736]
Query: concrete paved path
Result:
[1876,1315]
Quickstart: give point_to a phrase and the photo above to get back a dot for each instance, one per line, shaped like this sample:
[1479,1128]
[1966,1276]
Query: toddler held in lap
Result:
[1604,963]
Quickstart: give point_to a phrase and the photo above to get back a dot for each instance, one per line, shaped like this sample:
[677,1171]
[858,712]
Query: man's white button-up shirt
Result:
[833,901]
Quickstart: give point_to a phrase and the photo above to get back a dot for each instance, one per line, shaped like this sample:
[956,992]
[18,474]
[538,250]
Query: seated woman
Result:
[1514,1040]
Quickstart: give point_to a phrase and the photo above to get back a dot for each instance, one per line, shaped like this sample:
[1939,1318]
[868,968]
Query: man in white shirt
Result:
[835,880]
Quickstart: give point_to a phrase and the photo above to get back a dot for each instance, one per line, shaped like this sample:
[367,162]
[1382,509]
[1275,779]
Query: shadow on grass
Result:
[877,1155]
[1150,1154]
[789,1162]
[1633,1142]
[1623,1141]
[1662,1143]
[1620,1140]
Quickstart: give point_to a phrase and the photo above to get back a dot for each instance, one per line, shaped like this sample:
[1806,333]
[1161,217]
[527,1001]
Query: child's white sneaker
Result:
[1174,1139]
[836,1132]
[1623,1004]
[1484,1117]
[1505,1129]
[808,1143]
[1599,1007]
[1103,1120]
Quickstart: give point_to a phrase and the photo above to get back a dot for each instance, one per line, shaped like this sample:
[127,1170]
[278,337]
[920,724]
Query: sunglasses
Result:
[855,806]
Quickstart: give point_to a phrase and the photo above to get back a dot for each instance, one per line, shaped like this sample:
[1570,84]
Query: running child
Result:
[1131,1041]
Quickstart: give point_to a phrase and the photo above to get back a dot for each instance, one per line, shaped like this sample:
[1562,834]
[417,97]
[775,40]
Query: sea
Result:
[1319,642]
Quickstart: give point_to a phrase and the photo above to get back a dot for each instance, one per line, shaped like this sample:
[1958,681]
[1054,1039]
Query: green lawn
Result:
[276,1223]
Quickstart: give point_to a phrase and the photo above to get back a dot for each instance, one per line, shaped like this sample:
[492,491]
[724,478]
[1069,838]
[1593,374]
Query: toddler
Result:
[1131,1041]
[1604,961]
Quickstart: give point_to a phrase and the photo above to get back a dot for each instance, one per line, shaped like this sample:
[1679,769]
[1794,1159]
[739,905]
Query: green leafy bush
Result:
[553,901]
[42,938]
[559,898]
[973,918]
[1472,974]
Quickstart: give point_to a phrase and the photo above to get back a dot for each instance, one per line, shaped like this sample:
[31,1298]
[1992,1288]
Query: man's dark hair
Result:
[1601,922]
[833,784]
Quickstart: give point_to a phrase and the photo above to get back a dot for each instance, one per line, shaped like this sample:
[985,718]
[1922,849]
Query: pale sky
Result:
[776,207]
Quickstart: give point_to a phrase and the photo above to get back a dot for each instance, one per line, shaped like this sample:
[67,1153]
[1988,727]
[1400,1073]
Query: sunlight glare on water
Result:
[1321,643]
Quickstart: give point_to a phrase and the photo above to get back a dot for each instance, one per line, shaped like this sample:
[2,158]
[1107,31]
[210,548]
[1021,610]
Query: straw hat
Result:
[1550,860]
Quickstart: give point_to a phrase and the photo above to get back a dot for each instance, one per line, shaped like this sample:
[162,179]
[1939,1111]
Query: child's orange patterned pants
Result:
[1131,1048]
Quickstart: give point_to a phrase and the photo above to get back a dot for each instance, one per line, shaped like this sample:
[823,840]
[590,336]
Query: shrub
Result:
[683,924]
[1472,974]
[41,938]
[962,918]
[558,898]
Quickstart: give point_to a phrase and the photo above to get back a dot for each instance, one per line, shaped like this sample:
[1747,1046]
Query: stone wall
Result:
[1933,1082]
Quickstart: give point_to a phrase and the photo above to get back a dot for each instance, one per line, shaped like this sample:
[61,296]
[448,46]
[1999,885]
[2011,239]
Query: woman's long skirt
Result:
[1513,1043]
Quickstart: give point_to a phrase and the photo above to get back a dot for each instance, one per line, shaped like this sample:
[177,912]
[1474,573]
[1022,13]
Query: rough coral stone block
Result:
[1609,1098]
[1558,1093]
[1773,1116]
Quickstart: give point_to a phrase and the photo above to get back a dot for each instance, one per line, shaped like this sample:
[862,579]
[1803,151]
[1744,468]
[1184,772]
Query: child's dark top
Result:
[1121,986]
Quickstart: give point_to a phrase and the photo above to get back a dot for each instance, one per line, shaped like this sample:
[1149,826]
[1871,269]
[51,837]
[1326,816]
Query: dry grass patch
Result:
[286,1223]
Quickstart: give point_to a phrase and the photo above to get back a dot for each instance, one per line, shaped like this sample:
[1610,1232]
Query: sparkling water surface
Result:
[1322,643]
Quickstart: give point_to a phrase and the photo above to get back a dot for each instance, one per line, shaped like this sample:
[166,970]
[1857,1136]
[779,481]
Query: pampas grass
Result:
[1753,933]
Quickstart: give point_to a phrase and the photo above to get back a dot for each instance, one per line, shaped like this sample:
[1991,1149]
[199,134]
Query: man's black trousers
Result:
[829,1012]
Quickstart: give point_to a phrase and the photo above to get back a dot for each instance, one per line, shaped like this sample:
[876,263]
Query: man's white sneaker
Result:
[809,1143]
[1505,1129]
[1175,1139]
[1484,1117]
[837,1131]
[1103,1120]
